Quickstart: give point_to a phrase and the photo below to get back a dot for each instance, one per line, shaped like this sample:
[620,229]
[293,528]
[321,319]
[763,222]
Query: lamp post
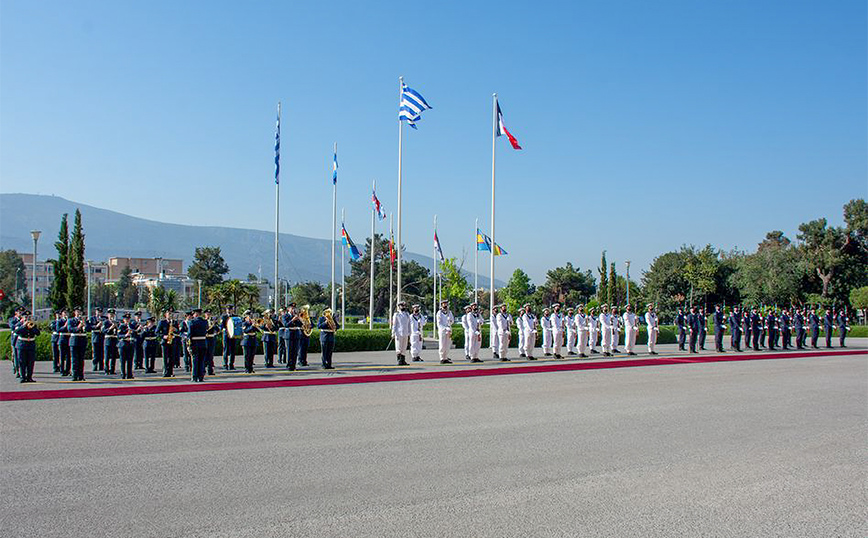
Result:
[628,281]
[35,235]
[87,264]
[17,287]
[199,286]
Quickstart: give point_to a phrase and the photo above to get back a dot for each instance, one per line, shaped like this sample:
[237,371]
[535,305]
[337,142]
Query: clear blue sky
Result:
[645,125]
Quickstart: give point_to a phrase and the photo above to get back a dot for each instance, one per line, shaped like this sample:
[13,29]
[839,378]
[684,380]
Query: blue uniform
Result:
[842,328]
[211,342]
[63,345]
[693,326]
[682,330]
[13,323]
[166,347]
[326,341]
[703,329]
[248,344]
[111,352]
[719,321]
[771,323]
[269,342]
[55,343]
[149,346]
[197,329]
[786,333]
[77,329]
[735,331]
[799,323]
[136,326]
[127,348]
[25,343]
[96,342]
[292,338]
[828,328]
[755,323]
[228,345]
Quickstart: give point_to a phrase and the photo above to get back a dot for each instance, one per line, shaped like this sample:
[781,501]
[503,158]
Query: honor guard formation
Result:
[133,342]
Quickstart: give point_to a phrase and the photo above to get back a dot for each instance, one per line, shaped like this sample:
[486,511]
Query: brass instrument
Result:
[29,324]
[306,325]
[330,320]
[171,335]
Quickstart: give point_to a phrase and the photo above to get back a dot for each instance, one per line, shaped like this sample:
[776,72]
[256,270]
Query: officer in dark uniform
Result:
[327,328]
[735,329]
[136,325]
[755,328]
[63,344]
[76,326]
[771,323]
[693,326]
[13,323]
[248,341]
[228,340]
[126,346]
[799,324]
[703,328]
[745,325]
[269,338]
[719,327]
[682,329]
[149,341]
[281,337]
[828,327]
[166,344]
[26,331]
[814,322]
[111,350]
[185,341]
[210,340]
[786,332]
[842,326]
[292,335]
[96,339]
[55,341]
[197,329]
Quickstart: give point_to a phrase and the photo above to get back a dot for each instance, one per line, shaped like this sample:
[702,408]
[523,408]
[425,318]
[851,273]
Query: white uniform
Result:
[465,323]
[528,324]
[570,322]
[631,329]
[616,330]
[401,331]
[546,323]
[582,331]
[444,322]
[593,332]
[474,322]
[504,322]
[417,322]
[493,335]
[606,329]
[520,327]
[653,329]
[557,332]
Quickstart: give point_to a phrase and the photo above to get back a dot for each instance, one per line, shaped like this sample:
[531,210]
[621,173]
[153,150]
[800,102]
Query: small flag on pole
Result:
[335,170]
[391,249]
[501,129]
[499,251]
[437,247]
[345,238]
[412,105]
[377,205]
[277,149]
[483,242]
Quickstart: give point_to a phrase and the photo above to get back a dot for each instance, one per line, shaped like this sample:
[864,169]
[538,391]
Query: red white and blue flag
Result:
[378,207]
[501,129]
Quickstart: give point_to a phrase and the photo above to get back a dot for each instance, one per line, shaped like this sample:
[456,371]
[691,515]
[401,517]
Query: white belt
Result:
[23,339]
[197,337]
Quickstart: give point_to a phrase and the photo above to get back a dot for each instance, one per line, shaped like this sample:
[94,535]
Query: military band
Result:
[286,334]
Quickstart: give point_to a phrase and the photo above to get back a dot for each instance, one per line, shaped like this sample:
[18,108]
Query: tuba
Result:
[306,326]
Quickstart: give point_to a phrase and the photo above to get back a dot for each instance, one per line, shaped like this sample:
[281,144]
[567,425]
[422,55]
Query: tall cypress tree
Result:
[76,281]
[612,288]
[602,290]
[57,294]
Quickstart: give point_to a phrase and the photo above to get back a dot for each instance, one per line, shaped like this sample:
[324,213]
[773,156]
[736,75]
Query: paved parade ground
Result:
[687,446]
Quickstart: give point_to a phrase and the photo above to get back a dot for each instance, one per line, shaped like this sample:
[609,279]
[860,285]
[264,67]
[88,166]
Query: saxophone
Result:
[171,335]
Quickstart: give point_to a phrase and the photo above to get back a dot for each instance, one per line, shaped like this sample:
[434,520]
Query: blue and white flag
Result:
[277,149]
[335,170]
[412,105]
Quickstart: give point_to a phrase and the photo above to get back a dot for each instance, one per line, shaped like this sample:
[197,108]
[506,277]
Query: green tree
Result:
[567,285]
[518,290]
[664,283]
[856,217]
[603,290]
[700,270]
[311,293]
[611,285]
[456,289]
[859,299]
[76,280]
[358,282]
[12,282]
[772,275]
[821,247]
[162,300]
[57,294]
[208,266]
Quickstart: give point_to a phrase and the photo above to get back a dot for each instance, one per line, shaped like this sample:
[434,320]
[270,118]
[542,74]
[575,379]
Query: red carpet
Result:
[91,392]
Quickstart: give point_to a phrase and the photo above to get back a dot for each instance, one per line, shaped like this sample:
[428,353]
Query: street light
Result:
[35,235]
[628,281]
[87,263]
[17,287]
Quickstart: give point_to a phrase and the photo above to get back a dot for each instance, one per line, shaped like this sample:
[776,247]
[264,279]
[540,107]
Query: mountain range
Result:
[109,233]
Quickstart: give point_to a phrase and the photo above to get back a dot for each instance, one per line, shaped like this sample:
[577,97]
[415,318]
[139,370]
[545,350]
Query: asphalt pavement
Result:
[746,448]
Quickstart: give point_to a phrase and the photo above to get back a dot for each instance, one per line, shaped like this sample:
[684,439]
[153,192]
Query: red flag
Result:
[501,129]
[391,250]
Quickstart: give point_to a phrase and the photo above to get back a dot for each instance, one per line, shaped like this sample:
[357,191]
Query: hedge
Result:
[370,340]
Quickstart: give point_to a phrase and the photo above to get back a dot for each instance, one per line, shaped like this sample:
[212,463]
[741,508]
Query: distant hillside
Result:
[109,233]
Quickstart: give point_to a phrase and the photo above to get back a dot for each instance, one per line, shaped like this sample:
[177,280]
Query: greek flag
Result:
[277,149]
[412,105]
[335,170]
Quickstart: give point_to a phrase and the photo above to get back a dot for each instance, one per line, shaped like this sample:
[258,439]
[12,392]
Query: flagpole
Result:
[491,272]
[400,139]
[435,270]
[343,291]
[334,228]
[476,263]
[391,285]
[277,216]
[373,253]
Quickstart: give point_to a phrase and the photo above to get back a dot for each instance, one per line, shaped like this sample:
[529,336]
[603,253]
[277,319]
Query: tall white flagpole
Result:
[435,271]
[476,263]
[400,139]
[276,221]
[343,291]
[391,284]
[491,272]
[334,228]
[373,254]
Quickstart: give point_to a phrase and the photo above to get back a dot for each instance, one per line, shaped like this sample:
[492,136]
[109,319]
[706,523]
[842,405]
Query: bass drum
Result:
[233,327]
